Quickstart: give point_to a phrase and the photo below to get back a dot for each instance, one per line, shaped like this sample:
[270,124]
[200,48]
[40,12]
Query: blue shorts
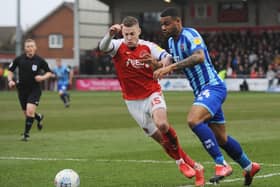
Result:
[62,87]
[212,97]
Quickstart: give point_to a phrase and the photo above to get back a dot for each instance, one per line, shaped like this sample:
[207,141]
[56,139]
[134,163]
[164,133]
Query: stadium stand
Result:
[244,54]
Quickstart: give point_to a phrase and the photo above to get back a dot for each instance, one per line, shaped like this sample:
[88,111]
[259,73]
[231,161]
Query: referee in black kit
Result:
[32,70]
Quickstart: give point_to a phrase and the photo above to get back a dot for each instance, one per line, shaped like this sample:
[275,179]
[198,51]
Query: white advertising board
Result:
[182,84]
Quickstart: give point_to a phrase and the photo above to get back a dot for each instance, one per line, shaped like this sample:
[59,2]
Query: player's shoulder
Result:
[192,36]
[144,42]
[117,43]
[148,44]
[22,56]
[66,67]
[39,58]
[190,32]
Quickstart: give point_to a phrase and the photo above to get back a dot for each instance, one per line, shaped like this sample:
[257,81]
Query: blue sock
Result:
[234,150]
[244,161]
[207,138]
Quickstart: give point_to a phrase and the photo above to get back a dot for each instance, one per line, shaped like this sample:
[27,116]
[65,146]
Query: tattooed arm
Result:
[196,58]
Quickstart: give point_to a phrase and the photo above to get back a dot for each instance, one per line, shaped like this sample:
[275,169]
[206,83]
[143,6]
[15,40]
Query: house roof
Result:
[64,4]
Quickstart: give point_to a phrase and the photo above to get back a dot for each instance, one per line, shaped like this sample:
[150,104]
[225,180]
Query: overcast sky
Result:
[31,11]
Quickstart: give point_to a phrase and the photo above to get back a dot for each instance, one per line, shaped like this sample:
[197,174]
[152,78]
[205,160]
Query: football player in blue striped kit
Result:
[206,117]
[64,76]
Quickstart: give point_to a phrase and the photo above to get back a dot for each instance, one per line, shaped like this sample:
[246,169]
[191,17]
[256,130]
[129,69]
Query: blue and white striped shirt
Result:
[62,74]
[201,74]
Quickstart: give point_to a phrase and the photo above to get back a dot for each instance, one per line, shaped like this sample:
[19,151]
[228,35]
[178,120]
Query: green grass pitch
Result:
[97,138]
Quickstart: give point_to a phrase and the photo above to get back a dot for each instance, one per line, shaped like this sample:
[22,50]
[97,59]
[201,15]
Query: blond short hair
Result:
[130,21]
[29,40]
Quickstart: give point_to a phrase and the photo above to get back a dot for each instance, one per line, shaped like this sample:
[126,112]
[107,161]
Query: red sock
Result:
[172,137]
[177,150]
[186,157]
[170,144]
[169,149]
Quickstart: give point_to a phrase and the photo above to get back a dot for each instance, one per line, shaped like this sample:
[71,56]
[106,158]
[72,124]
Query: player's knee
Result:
[29,113]
[163,127]
[192,122]
[221,139]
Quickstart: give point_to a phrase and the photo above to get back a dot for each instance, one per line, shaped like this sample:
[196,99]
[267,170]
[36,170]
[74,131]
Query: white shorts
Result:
[141,111]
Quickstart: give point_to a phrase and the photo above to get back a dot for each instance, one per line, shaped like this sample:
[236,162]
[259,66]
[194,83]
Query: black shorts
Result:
[29,95]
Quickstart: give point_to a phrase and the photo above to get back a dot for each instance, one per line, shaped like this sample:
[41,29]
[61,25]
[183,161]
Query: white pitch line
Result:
[234,163]
[41,159]
[106,160]
[137,161]
[239,179]
[171,162]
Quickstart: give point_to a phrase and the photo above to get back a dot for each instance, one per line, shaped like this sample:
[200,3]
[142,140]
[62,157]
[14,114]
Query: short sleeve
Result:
[194,39]
[45,66]
[157,51]
[13,65]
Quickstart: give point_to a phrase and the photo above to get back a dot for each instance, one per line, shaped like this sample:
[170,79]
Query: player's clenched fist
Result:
[115,29]
[11,84]
[159,73]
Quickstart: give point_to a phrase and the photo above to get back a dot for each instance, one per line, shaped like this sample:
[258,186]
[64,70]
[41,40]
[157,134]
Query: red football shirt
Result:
[135,77]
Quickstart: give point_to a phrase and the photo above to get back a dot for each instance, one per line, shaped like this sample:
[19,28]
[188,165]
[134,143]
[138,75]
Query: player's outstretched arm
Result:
[40,78]
[150,60]
[196,58]
[161,72]
[105,44]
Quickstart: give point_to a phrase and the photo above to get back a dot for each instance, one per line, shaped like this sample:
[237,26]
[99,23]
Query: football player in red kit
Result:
[142,94]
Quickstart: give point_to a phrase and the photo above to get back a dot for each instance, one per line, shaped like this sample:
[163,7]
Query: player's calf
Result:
[40,121]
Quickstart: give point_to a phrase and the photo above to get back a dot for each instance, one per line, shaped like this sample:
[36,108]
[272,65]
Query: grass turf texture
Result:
[114,152]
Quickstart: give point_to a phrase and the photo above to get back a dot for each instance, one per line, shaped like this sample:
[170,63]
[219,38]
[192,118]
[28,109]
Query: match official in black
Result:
[32,69]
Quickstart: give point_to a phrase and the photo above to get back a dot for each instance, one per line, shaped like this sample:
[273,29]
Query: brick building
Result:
[54,35]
